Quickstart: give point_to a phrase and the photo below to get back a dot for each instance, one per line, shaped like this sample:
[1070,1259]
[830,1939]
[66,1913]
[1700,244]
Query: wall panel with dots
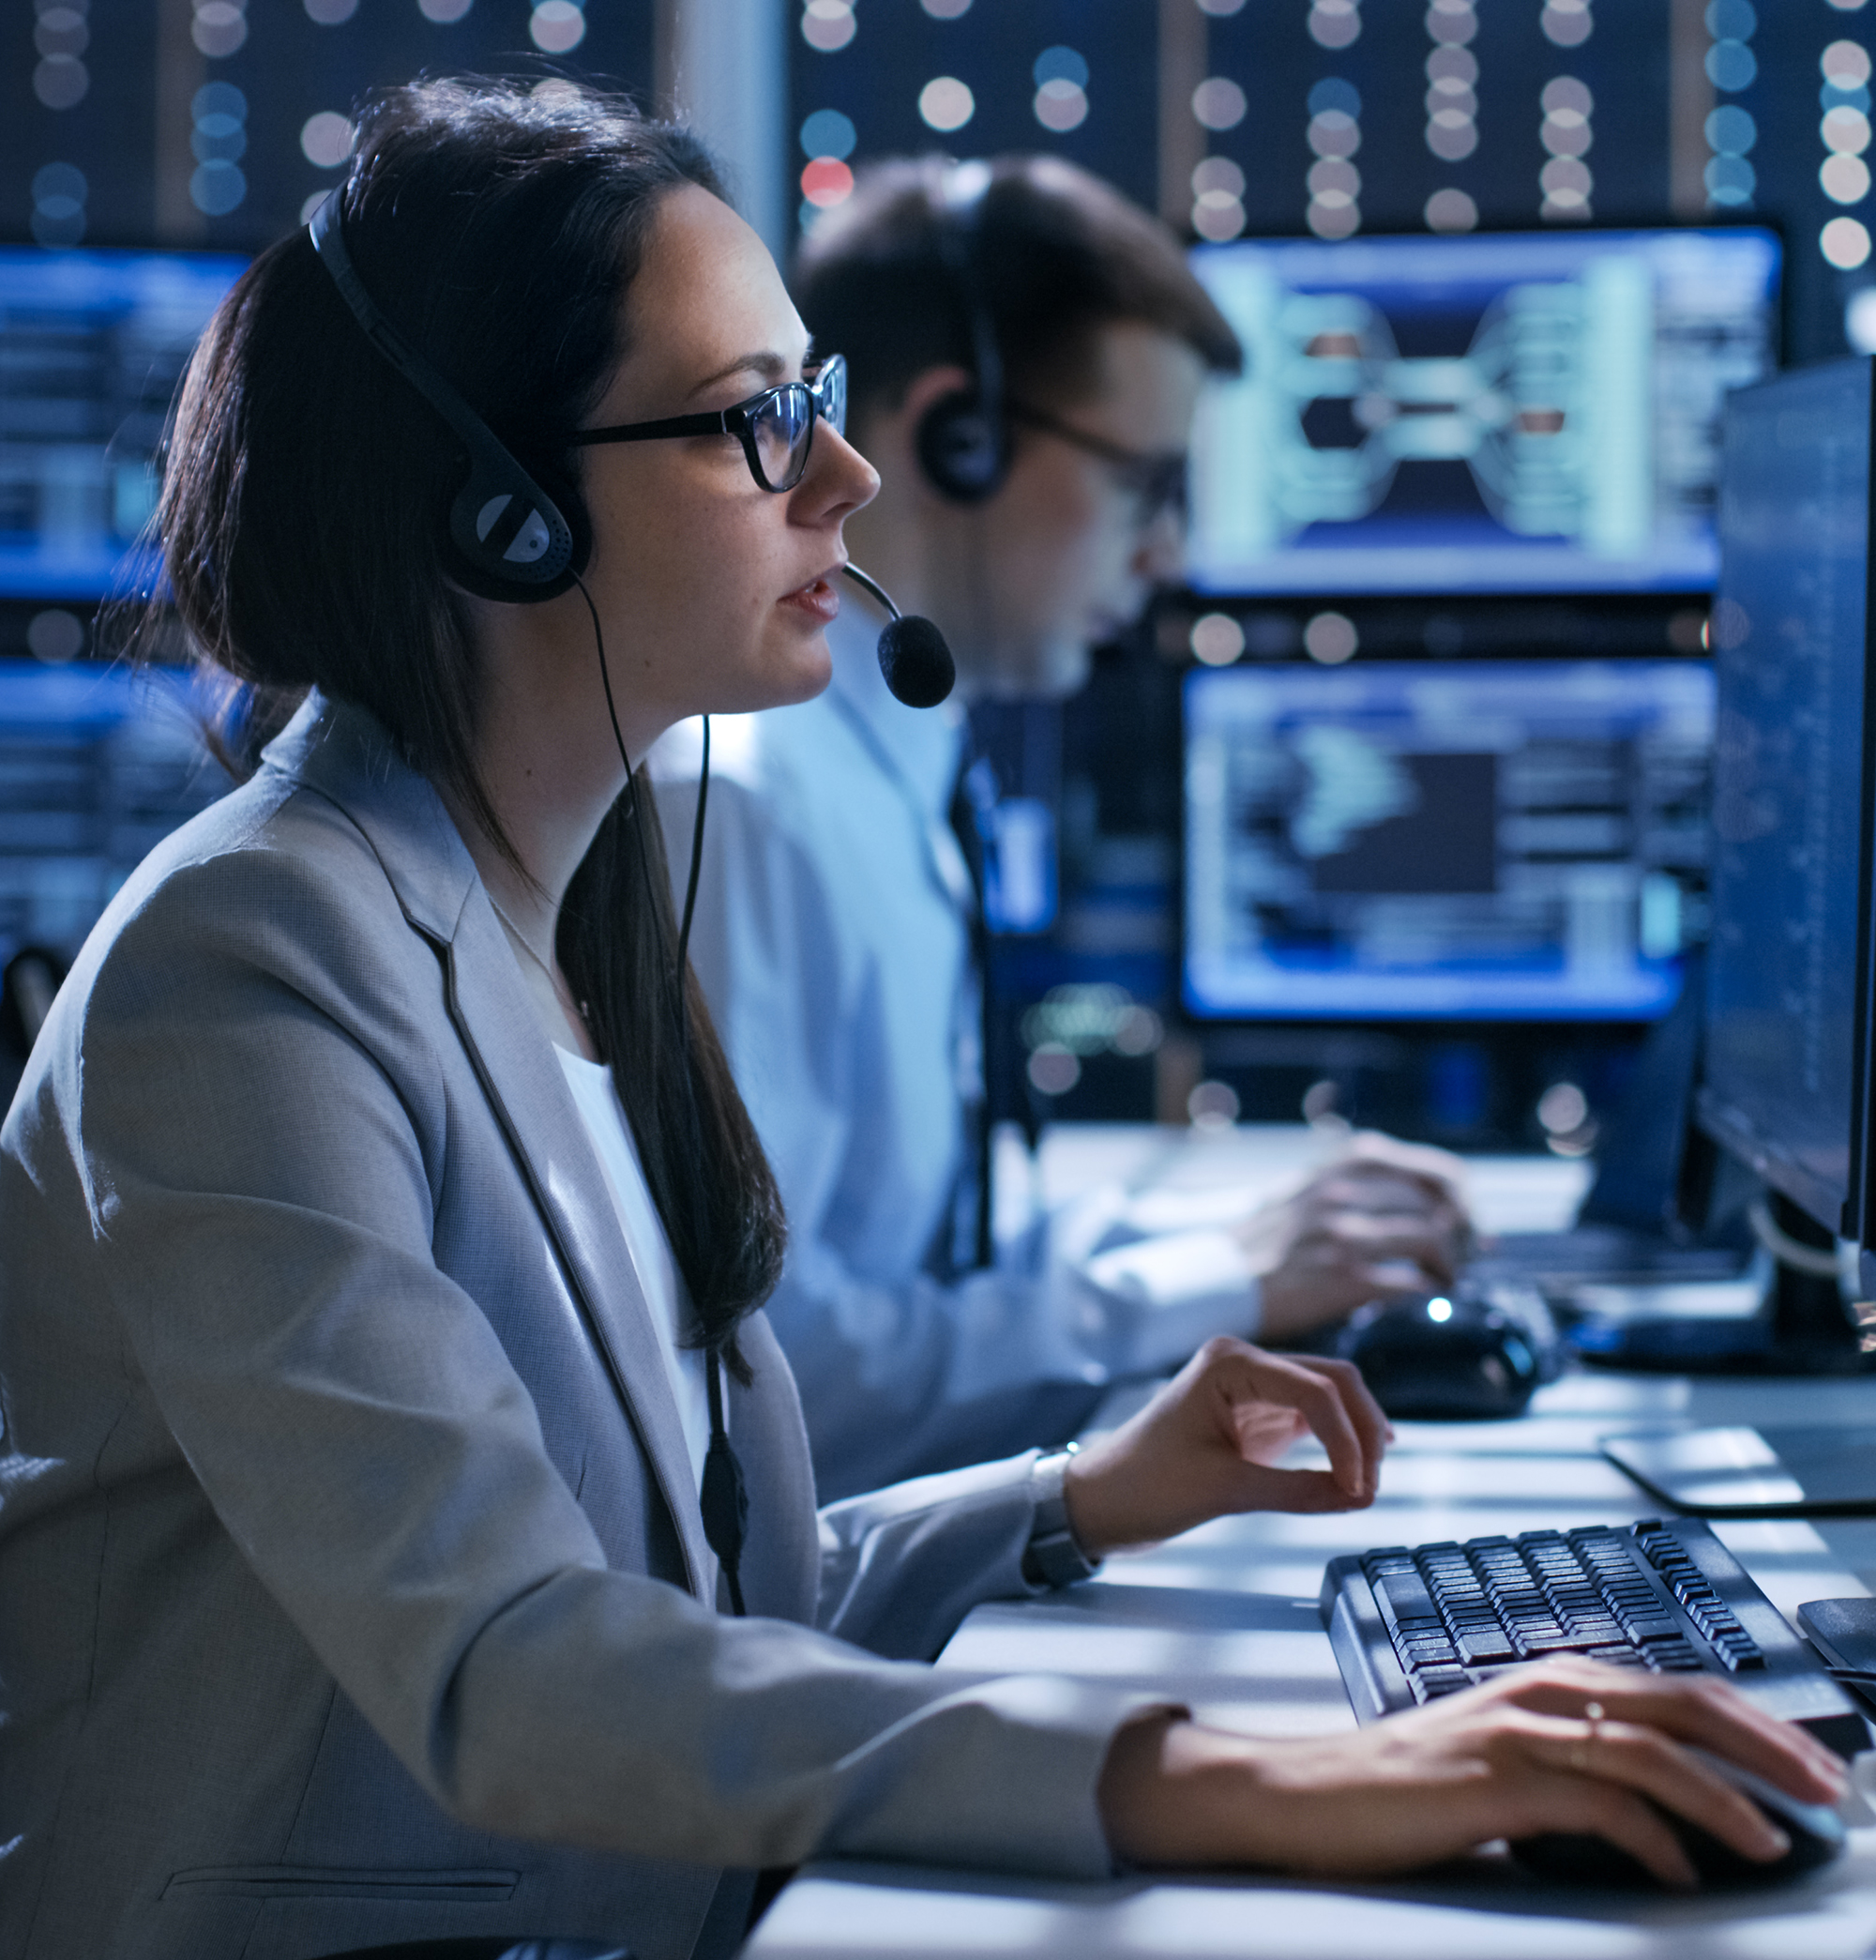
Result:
[77,120]
[1341,118]
[214,122]
[1076,77]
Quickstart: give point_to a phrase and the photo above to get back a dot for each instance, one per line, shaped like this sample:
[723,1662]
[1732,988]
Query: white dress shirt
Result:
[596,1099]
[832,939]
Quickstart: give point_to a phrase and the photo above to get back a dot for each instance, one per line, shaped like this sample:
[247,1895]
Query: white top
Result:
[598,1102]
[832,939]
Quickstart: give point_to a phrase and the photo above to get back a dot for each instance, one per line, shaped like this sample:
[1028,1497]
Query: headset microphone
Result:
[912,656]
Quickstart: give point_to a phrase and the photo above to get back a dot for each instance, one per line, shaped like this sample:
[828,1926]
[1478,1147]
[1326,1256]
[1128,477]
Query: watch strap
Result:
[1053,1558]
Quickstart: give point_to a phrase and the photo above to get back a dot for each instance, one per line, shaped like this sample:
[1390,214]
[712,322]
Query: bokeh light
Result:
[1219,103]
[828,24]
[327,139]
[1845,244]
[556,27]
[944,103]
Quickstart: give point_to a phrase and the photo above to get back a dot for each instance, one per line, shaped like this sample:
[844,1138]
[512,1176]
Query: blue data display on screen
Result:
[1791,636]
[1506,840]
[97,765]
[92,344]
[1494,413]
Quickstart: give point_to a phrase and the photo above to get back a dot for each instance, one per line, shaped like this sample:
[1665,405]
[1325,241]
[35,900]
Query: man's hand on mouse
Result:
[1564,1746]
[1208,1444]
[1381,1217]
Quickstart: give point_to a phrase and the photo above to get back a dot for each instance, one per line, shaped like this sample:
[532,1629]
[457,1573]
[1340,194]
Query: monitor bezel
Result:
[1851,1213]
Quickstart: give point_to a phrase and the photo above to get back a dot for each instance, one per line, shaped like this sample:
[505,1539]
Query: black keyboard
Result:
[1409,1626]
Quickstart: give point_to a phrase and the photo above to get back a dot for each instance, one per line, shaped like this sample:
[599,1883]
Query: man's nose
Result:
[1160,557]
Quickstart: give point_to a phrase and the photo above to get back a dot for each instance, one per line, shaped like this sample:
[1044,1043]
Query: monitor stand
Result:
[1800,1327]
[1685,1213]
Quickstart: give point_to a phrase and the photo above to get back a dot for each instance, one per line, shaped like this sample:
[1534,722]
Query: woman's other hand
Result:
[1562,1746]
[1208,1444]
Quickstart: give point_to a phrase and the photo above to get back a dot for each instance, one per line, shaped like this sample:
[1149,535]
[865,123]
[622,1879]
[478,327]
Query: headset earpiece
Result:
[962,439]
[516,537]
[512,539]
[962,450]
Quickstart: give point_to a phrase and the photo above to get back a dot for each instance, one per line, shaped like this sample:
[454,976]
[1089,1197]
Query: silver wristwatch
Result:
[1053,1558]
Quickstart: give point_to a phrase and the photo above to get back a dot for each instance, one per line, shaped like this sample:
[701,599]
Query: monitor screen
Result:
[1491,413]
[1790,809]
[92,344]
[1487,840]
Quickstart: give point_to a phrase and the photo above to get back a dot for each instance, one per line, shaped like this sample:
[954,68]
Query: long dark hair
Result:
[303,520]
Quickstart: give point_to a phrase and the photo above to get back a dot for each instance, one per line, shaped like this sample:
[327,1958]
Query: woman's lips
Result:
[818,599]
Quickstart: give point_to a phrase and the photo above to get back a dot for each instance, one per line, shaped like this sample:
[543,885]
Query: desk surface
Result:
[1226,1619]
[1171,1171]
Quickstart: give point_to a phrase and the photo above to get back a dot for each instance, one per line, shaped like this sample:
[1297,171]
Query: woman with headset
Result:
[385,1240]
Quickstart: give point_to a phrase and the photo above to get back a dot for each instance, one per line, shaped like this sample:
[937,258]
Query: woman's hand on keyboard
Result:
[1383,1217]
[1207,1445]
[1560,1746]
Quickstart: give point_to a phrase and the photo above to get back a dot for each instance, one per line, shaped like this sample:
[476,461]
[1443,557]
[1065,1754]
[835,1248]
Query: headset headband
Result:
[511,534]
[962,438]
[965,186]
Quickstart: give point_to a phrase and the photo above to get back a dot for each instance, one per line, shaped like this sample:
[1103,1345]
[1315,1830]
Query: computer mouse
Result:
[1815,1829]
[1442,1356]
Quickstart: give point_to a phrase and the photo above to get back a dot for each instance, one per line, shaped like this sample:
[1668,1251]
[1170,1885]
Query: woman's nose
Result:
[838,478]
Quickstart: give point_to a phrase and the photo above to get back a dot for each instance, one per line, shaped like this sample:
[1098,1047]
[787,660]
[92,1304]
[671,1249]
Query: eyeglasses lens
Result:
[830,391]
[783,424]
[1164,493]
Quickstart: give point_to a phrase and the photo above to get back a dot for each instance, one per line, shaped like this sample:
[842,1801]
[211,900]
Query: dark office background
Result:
[215,123]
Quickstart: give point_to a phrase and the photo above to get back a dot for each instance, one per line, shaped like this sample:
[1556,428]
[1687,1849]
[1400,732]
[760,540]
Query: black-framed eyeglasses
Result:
[1156,482]
[776,428]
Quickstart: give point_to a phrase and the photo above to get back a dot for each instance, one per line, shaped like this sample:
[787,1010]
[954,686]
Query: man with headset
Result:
[1026,352]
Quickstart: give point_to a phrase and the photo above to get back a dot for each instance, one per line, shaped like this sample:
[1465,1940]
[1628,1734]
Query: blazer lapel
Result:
[345,754]
[522,1080]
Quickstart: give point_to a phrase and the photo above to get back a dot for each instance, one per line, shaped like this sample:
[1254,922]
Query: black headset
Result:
[511,540]
[963,437]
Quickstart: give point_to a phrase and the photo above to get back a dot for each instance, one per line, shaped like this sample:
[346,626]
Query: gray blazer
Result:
[352,1586]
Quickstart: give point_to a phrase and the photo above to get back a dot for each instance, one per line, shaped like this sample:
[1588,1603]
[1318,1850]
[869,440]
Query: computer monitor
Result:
[97,765]
[92,344]
[1495,840]
[1484,412]
[1789,996]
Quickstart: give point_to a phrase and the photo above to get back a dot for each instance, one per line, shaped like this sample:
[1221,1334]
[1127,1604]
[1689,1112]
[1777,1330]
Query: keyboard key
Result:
[1521,1603]
[1406,1596]
[1484,1645]
[1430,1654]
[1674,1657]
[1437,1682]
[1535,1644]
[1645,1627]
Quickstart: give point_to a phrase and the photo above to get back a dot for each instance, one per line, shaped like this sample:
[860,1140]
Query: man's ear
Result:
[893,429]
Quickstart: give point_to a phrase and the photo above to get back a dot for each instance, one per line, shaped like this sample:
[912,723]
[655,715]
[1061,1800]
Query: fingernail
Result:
[1776,1839]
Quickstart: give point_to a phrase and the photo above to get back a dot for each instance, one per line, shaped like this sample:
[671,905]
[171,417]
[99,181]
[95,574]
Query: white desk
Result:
[1226,1619]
